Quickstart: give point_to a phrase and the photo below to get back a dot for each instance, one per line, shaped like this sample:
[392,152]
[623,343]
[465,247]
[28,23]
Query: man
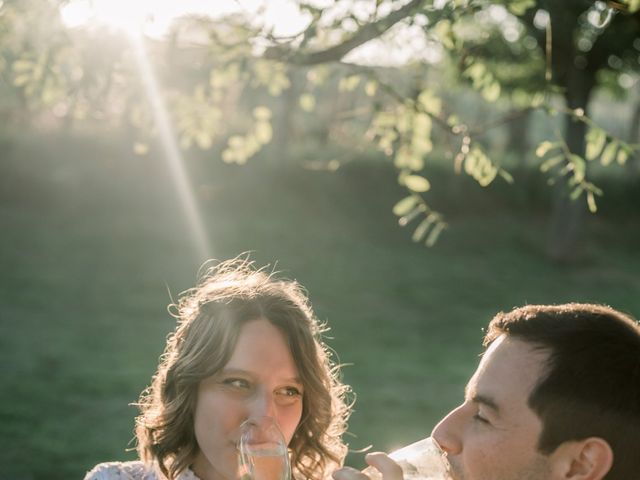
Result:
[556,396]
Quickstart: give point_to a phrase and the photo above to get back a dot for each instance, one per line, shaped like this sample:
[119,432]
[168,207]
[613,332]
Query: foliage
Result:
[510,51]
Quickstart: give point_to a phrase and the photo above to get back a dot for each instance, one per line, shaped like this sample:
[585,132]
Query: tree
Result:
[586,40]
[220,58]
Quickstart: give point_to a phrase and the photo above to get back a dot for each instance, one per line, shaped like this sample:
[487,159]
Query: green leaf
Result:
[224,76]
[487,174]
[476,72]
[318,75]
[421,146]
[421,229]
[579,166]
[21,80]
[430,103]
[404,206]
[544,147]
[384,120]
[263,132]
[609,153]
[591,202]
[444,31]
[403,221]
[22,65]
[506,175]
[228,156]
[480,167]
[519,7]
[236,142]
[422,125]
[278,82]
[204,140]
[471,162]
[417,183]
[434,234]
[491,92]
[537,100]
[576,192]
[622,157]
[596,139]
[371,88]
[550,163]
[262,113]
[307,102]
[421,139]
[596,191]
[348,84]
[404,157]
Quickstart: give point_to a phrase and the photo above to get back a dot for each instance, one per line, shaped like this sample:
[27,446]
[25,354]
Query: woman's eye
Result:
[288,395]
[291,392]
[239,383]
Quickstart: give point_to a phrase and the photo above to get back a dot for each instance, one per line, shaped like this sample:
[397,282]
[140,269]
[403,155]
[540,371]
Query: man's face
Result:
[493,435]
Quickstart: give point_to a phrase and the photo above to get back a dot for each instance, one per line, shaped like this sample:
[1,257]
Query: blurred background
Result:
[417,166]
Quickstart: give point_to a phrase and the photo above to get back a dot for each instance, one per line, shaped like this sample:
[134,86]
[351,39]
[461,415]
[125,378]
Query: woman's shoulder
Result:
[121,471]
[136,470]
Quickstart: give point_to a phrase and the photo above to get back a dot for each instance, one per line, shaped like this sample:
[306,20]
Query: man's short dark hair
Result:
[591,384]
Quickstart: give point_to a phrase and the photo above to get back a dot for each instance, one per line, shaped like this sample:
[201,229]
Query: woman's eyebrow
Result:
[235,371]
[240,371]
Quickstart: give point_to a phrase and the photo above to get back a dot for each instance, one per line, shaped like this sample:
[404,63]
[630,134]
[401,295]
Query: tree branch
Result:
[337,52]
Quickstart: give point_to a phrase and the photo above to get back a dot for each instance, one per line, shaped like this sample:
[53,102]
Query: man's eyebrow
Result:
[472,395]
[487,401]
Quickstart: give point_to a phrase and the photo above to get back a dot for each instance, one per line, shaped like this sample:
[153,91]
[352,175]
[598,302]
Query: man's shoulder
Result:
[121,471]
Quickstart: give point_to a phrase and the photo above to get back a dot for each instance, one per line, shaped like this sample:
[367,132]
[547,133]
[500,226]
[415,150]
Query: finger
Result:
[348,473]
[389,469]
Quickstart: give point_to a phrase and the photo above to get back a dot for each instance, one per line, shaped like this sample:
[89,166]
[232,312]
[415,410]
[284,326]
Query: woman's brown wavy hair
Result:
[210,317]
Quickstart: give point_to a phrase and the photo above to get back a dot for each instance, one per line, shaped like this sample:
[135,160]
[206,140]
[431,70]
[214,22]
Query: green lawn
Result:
[93,240]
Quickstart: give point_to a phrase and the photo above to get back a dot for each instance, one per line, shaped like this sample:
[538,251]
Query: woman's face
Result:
[260,379]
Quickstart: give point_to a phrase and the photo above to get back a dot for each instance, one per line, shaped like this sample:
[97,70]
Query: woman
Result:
[246,345]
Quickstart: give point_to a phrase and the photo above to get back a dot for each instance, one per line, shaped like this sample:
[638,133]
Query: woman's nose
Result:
[448,432]
[263,405]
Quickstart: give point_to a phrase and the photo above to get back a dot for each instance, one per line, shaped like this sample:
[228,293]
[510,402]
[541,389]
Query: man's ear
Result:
[587,459]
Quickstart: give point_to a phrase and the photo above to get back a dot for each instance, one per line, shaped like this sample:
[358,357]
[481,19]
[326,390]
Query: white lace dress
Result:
[131,471]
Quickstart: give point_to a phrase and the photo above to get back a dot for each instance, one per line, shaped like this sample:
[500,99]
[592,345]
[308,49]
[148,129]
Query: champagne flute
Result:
[422,460]
[262,451]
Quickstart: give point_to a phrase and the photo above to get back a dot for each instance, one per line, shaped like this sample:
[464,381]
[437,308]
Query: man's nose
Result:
[448,432]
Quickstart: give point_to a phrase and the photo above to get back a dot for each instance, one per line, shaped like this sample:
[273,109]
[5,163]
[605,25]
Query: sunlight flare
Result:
[172,152]
[282,17]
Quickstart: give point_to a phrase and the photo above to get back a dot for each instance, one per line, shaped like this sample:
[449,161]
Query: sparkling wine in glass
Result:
[262,451]
[422,460]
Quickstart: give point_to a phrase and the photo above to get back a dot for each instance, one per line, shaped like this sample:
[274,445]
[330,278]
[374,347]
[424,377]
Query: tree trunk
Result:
[567,217]
[518,138]
[278,152]
[633,137]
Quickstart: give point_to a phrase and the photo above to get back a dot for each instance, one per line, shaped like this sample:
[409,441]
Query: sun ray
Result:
[171,149]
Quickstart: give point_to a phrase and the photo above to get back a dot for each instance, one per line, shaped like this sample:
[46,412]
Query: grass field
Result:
[92,241]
